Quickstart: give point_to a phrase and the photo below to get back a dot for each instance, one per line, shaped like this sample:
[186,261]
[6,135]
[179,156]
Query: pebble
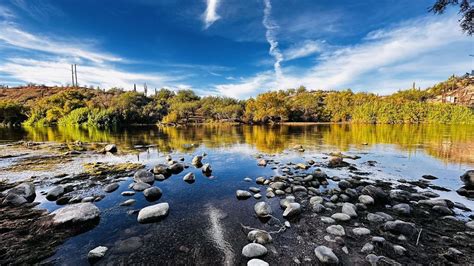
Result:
[327,220]
[242,194]
[367,248]
[361,231]
[257,196]
[349,209]
[111,187]
[326,255]
[257,262]
[128,193]
[341,217]
[402,208]
[153,213]
[254,250]
[366,199]
[97,253]
[336,230]
[254,189]
[128,202]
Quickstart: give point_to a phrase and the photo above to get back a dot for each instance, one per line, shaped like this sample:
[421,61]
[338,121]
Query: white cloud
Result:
[270,34]
[12,35]
[6,13]
[423,50]
[210,15]
[303,49]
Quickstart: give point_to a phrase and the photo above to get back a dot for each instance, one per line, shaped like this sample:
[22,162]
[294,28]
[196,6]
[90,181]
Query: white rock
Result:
[153,213]
[76,213]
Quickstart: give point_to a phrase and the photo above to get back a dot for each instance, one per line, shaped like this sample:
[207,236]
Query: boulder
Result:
[55,193]
[254,250]
[14,200]
[206,169]
[262,209]
[349,209]
[153,213]
[161,169]
[197,161]
[468,179]
[176,168]
[257,262]
[76,214]
[25,190]
[400,227]
[325,255]
[144,176]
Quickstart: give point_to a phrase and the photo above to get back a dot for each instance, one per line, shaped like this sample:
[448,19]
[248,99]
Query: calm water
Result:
[203,226]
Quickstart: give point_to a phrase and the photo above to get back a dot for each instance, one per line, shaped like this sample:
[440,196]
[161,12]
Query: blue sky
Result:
[232,47]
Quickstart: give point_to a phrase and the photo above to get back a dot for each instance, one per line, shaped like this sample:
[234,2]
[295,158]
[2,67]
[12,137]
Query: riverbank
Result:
[309,207]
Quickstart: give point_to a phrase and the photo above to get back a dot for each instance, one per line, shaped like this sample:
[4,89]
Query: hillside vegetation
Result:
[42,106]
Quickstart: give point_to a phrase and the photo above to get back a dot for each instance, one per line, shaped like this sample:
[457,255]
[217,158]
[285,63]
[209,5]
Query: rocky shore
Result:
[321,219]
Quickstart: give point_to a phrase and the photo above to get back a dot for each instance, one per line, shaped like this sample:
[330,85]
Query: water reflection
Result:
[450,143]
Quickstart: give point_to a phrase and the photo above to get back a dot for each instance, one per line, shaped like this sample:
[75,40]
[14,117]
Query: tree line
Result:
[116,107]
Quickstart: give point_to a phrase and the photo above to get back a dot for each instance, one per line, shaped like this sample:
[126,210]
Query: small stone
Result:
[97,253]
[248,179]
[270,194]
[111,187]
[262,162]
[254,250]
[292,209]
[257,262]
[399,250]
[144,176]
[242,194]
[112,148]
[259,236]
[341,217]
[153,213]
[402,208]
[262,209]
[318,208]
[287,224]
[257,195]
[128,193]
[336,230]
[260,180]
[152,193]
[361,231]
[140,186]
[349,209]
[254,189]
[367,248]
[128,202]
[315,200]
[189,177]
[470,225]
[400,227]
[206,169]
[326,255]
[327,220]
[366,199]
[76,214]
[55,193]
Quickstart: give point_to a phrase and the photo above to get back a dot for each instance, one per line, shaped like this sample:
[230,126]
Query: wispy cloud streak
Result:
[270,34]
[210,15]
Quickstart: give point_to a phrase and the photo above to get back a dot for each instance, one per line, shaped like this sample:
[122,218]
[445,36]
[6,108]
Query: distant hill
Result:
[456,90]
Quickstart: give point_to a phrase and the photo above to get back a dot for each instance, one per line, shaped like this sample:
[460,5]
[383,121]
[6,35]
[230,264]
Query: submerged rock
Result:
[259,236]
[254,250]
[140,186]
[76,214]
[153,213]
[262,209]
[152,193]
[111,187]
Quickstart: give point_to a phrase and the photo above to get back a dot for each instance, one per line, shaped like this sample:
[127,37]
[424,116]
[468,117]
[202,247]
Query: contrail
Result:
[271,38]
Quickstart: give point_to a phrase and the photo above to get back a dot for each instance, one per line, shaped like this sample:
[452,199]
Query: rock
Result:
[402,208]
[254,250]
[153,213]
[292,209]
[206,169]
[262,162]
[442,210]
[400,195]
[399,250]
[437,202]
[429,177]
[128,202]
[372,259]
[257,262]
[144,176]
[76,214]
[112,148]
[140,186]
[259,236]
[88,199]
[301,166]
[286,201]
[260,180]
[111,187]
[326,255]
[278,185]
[344,184]
[287,224]
[365,199]
[378,217]
[254,189]
[299,189]
[315,200]
[161,169]
[400,227]
[25,190]
[257,195]
[128,245]
[160,177]
[270,194]
[375,192]
[168,158]
[470,225]
[262,209]
[341,217]
[197,161]
[349,209]
[248,179]
[128,193]
[327,220]
[336,162]
[176,168]
[468,179]
[367,248]
[242,194]
[336,230]
[361,231]
[14,200]
[55,193]
[461,206]
[97,253]
[453,255]
[318,208]
[152,193]
[189,177]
